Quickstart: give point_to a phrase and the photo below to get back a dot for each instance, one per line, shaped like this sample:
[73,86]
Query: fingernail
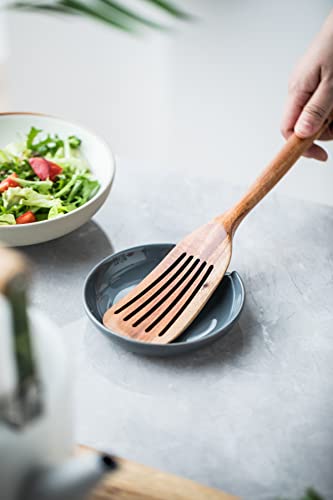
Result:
[304,128]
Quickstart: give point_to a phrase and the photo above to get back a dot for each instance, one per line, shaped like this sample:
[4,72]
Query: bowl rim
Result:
[149,345]
[99,193]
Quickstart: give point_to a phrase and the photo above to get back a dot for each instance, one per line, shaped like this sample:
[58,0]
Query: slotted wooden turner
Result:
[161,307]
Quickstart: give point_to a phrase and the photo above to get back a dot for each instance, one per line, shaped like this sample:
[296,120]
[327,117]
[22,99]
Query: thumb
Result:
[315,111]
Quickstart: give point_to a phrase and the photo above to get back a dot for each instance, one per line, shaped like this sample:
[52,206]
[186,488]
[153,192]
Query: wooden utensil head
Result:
[160,308]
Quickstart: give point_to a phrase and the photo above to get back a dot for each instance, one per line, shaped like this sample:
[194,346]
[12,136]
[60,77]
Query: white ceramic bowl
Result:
[98,156]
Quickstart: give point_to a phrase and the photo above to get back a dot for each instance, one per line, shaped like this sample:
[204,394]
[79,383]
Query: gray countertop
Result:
[251,414]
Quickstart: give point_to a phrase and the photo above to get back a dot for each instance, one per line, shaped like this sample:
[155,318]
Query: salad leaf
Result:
[54,212]
[28,197]
[40,186]
[67,187]
[6,156]
[74,141]
[15,149]
[7,220]
[89,189]
[71,186]
[48,145]
[31,137]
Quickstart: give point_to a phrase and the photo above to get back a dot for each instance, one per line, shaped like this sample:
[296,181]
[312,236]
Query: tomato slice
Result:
[55,170]
[26,218]
[8,182]
[45,169]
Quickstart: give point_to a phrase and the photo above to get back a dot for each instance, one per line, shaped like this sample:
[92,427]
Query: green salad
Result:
[42,177]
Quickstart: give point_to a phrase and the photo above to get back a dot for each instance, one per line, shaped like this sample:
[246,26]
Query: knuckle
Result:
[298,92]
[296,86]
[328,82]
[315,111]
[326,70]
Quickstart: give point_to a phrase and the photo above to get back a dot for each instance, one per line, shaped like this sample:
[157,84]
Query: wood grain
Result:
[165,308]
[133,481]
[291,151]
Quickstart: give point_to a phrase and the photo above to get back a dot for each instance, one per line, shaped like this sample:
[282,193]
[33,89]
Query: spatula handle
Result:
[276,169]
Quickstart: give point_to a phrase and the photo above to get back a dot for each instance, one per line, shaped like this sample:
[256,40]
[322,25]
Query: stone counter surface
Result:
[251,414]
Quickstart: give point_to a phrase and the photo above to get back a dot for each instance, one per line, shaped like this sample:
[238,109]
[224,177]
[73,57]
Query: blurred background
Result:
[208,95]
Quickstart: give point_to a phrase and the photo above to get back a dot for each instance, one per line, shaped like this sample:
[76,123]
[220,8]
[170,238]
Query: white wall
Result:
[208,97]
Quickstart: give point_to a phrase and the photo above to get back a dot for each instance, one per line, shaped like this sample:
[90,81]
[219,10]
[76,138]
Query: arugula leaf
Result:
[90,188]
[73,187]
[49,145]
[74,141]
[32,134]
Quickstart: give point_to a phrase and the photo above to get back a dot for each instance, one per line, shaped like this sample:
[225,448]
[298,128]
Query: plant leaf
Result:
[108,11]
[58,9]
[84,9]
[170,8]
[132,15]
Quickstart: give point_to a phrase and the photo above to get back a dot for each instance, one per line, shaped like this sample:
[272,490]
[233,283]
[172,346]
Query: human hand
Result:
[310,92]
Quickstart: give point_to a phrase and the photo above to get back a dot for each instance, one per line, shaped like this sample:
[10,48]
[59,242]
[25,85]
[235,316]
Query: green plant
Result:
[310,494]
[111,12]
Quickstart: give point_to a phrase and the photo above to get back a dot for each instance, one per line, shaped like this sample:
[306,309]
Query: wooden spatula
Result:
[160,308]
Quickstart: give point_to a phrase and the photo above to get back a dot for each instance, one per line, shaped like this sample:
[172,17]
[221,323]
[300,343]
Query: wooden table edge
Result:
[134,481]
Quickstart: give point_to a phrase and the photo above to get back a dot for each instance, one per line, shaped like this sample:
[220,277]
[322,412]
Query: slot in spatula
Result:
[161,307]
